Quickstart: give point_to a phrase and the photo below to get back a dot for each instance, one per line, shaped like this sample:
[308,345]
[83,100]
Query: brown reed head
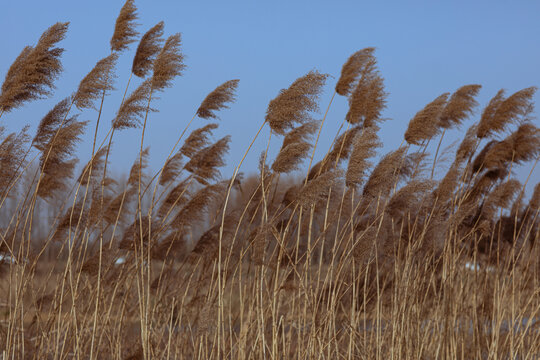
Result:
[124,29]
[292,105]
[290,157]
[169,63]
[426,123]
[351,70]
[218,99]
[368,99]
[501,112]
[460,106]
[96,83]
[147,50]
[205,163]
[132,110]
[365,145]
[197,140]
[32,74]
[12,155]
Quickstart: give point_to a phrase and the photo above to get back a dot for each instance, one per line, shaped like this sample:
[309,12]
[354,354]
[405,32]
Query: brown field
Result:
[349,258]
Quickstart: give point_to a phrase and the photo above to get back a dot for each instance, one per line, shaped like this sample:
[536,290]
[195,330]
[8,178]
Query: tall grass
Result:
[351,259]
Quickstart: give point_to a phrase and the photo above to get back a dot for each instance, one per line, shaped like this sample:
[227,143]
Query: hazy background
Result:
[424,48]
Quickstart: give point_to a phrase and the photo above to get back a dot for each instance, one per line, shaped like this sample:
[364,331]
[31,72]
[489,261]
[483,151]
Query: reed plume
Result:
[290,157]
[426,123]
[384,174]
[365,146]
[318,188]
[134,108]
[534,202]
[96,82]
[500,197]
[168,63]
[459,106]
[147,50]
[55,161]
[351,70]
[32,74]
[292,105]
[501,112]
[176,198]
[448,184]
[92,167]
[171,169]
[468,145]
[343,146]
[124,28]
[197,140]
[204,163]
[408,197]
[193,212]
[51,122]
[368,98]
[138,166]
[12,155]
[218,99]
[521,146]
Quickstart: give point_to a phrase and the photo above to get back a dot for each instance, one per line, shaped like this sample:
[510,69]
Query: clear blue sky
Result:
[424,48]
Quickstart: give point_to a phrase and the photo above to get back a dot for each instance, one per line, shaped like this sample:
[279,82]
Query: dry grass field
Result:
[354,259]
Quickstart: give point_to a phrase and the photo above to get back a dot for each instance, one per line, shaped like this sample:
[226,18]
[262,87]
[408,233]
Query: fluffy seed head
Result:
[218,99]
[134,107]
[96,83]
[292,105]
[368,98]
[147,50]
[364,148]
[124,29]
[351,70]
[204,163]
[197,140]
[168,63]
[426,123]
[501,112]
[32,74]
[460,106]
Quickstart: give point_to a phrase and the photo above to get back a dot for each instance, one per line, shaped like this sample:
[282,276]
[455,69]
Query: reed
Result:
[368,256]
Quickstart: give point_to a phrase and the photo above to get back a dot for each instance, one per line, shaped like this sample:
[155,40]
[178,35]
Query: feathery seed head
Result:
[147,50]
[124,29]
[218,99]
[292,105]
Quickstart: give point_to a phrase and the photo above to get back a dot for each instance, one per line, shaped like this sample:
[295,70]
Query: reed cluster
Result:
[361,255]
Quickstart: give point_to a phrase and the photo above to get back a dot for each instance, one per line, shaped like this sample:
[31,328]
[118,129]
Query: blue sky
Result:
[424,48]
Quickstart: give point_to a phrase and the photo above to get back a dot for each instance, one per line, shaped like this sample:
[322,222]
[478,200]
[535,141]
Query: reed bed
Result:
[356,256]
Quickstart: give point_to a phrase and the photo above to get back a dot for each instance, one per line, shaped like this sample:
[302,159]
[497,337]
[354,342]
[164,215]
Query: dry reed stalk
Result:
[124,28]
[32,74]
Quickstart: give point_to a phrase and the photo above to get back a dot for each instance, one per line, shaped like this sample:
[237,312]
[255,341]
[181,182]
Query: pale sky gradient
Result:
[424,48]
